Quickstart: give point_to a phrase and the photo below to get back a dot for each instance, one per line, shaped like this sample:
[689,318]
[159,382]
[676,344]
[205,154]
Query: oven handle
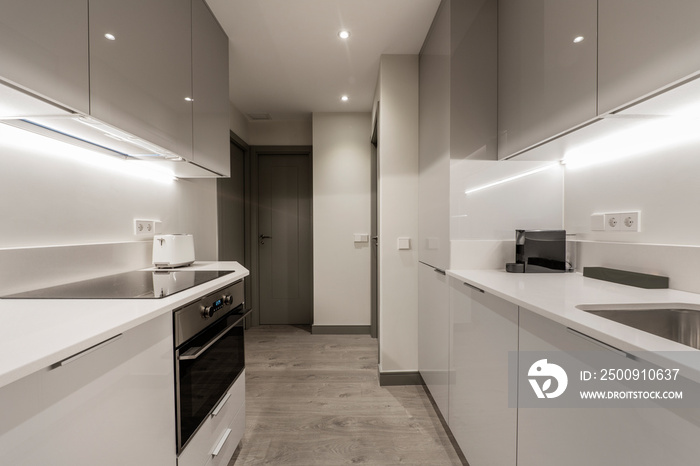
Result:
[188,357]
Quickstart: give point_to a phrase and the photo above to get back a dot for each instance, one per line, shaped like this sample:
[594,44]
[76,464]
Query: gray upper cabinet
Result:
[547,81]
[43,48]
[434,137]
[140,80]
[645,45]
[210,84]
[474,80]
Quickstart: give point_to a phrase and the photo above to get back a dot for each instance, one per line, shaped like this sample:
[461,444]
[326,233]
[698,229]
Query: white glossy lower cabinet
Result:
[110,406]
[484,330]
[214,435]
[598,436]
[433,333]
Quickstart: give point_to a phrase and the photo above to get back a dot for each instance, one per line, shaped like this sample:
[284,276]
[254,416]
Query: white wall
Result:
[51,199]
[663,185]
[280,133]
[341,208]
[398,213]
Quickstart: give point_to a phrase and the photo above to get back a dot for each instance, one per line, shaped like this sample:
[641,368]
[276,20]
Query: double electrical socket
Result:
[617,221]
[144,227]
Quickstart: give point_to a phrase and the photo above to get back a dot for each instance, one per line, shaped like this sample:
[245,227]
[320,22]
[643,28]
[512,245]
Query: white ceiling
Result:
[286,59]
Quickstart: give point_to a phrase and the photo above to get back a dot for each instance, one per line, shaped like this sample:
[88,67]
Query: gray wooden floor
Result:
[315,400]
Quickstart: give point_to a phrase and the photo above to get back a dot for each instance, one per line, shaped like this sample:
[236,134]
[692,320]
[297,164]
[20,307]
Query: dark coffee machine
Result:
[539,251]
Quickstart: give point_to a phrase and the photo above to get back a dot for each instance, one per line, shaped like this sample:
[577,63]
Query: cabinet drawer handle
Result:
[220,405]
[220,445]
[597,342]
[473,287]
[440,271]
[79,355]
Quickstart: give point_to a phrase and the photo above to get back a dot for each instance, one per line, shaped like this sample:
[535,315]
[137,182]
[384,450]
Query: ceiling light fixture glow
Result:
[110,36]
[189,99]
[512,178]
[578,39]
[344,34]
[344,98]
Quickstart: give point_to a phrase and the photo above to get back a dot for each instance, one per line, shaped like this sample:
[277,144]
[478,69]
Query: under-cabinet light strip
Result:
[511,178]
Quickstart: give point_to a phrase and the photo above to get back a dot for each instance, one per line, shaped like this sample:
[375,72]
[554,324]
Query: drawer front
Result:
[234,436]
[201,446]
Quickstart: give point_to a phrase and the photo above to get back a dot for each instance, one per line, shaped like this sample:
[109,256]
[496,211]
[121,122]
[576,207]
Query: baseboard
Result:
[400,378]
[340,329]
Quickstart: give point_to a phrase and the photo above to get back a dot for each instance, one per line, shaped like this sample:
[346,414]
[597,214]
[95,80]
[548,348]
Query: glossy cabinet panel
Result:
[433,334]
[210,83]
[139,81]
[483,331]
[44,48]
[604,437]
[434,141]
[111,406]
[474,80]
[644,45]
[546,81]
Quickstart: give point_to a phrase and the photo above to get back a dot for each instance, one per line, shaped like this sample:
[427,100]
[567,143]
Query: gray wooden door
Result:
[284,244]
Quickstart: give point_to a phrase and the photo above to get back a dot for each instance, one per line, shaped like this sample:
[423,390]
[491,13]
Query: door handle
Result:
[263,238]
[376,240]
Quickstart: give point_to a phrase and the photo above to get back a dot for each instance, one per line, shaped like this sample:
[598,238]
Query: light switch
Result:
[404,243]
[361,238]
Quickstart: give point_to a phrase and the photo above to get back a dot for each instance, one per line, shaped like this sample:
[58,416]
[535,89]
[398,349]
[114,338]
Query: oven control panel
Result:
[211,309]
[195,316]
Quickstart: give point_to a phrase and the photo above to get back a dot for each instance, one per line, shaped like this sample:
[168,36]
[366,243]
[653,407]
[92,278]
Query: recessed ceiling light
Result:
[344,98]
[189,99]
[578,39]
[110,36]
[344,34]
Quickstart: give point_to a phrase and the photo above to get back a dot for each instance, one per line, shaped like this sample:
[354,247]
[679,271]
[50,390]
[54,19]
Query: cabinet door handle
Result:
[79,355]
[220,445]
[220,405]
[440,271]
[597,342]
[473,287]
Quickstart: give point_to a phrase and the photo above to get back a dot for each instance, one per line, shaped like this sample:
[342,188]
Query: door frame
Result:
[255,153]
[374,226]
[236,140]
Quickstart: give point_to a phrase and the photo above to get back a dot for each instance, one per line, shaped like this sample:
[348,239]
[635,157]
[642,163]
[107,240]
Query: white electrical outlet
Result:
[629,221]
[144,227]
[612,222]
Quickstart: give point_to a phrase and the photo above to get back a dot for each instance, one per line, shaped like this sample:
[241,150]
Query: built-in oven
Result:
[209,356]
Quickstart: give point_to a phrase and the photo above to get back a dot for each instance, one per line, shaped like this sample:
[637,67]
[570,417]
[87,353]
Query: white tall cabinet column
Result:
[433,334]
[483,334]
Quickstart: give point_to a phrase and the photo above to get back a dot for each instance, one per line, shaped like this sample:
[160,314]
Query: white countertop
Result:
[556,295]
[36,333]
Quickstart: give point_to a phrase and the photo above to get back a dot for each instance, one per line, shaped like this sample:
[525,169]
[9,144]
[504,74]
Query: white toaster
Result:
[173,250]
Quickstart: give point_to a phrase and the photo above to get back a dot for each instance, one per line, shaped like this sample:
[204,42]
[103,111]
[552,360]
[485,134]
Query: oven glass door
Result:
[207,365]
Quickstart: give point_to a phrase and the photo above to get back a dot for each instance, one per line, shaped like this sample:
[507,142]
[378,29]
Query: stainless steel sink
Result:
[676,322]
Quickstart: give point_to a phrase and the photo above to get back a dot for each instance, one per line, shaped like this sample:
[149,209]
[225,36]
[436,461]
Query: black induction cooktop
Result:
[129,285]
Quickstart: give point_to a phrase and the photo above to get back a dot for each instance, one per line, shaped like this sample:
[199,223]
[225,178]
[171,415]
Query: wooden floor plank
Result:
[315,400]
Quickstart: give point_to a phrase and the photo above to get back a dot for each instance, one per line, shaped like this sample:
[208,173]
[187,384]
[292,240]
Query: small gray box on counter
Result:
[539,251]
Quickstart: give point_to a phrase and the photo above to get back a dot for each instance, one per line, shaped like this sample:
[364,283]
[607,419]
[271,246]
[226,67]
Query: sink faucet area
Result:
[675,322]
